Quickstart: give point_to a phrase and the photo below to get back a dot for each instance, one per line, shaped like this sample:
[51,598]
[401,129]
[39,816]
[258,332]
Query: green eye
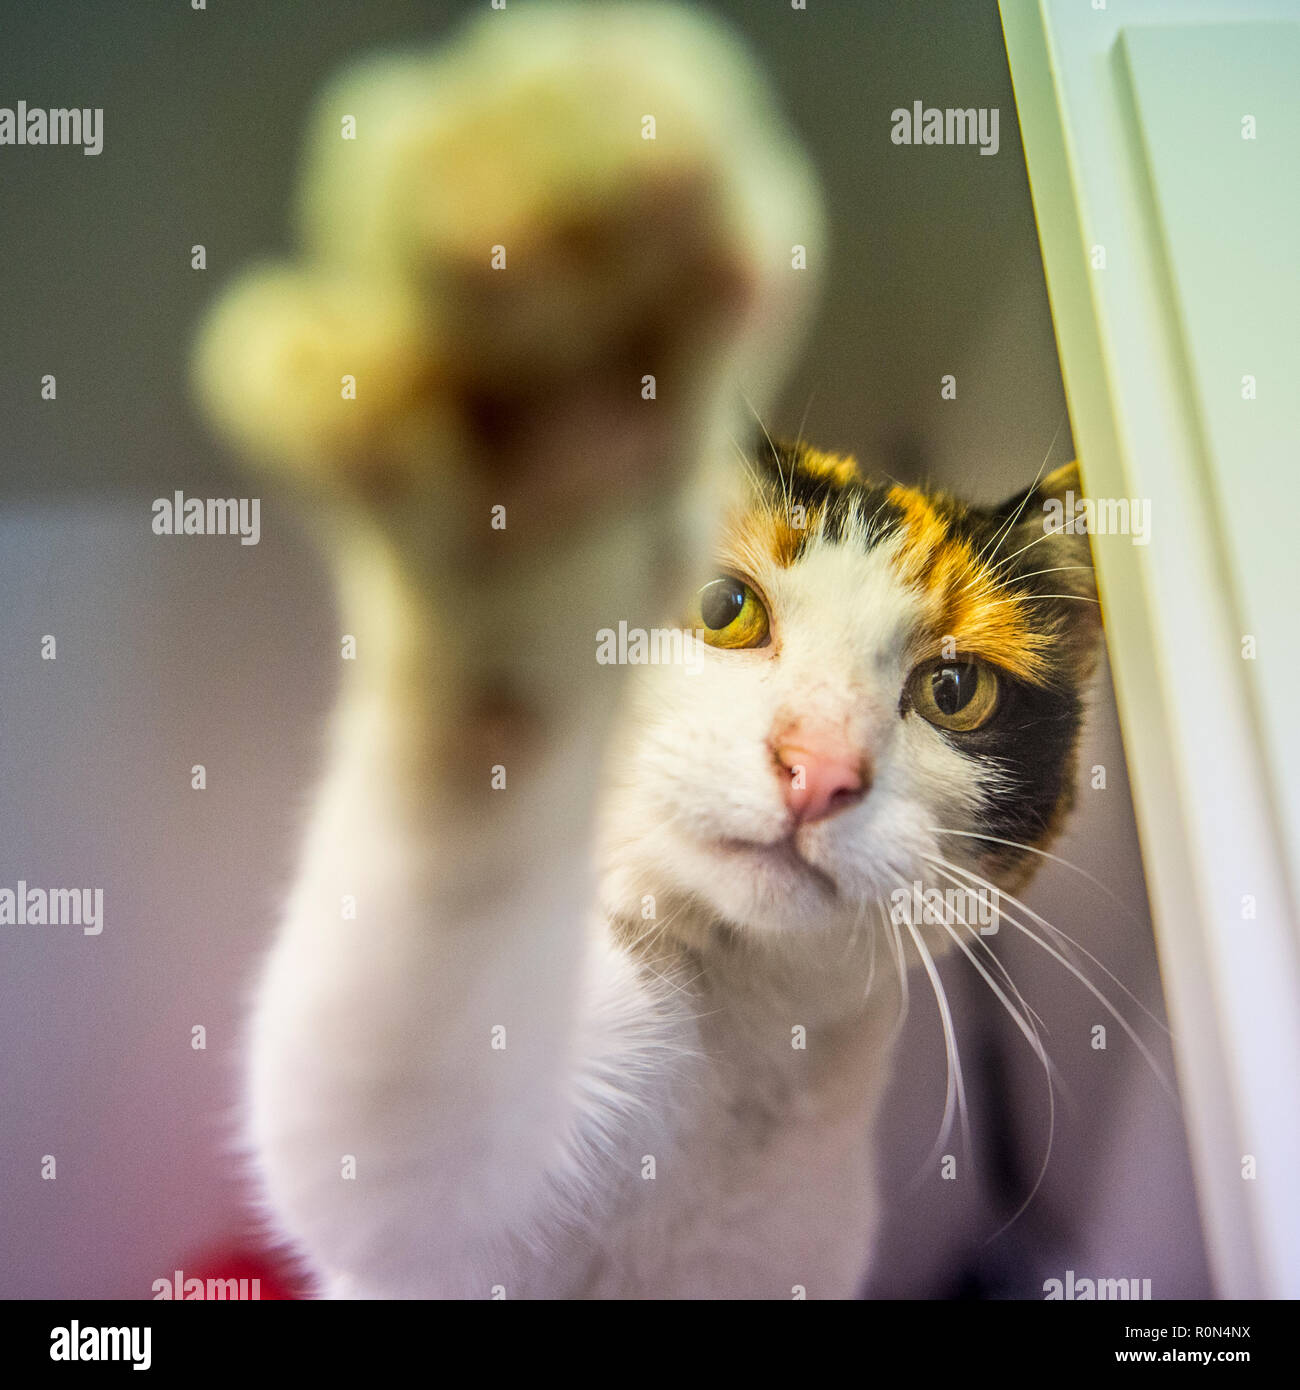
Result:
[728,613]
[955,695]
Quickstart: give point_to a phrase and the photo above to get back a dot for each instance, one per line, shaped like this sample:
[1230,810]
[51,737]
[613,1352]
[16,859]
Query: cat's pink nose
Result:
[822,775]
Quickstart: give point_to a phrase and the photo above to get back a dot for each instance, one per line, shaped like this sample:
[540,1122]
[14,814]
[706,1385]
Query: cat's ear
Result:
[1047,521]
[1044,539]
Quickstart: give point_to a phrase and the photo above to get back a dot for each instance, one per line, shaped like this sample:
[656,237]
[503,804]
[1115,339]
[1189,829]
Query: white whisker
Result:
[1044,854]
[760,490]
[1052,569]
[1035,1042]
[803,420]
[1029,596]
[1003,531]
[1073,969]
[1047,534]
[1060,935]
[896,945]
[776,457]
[955,1091]
[871,960]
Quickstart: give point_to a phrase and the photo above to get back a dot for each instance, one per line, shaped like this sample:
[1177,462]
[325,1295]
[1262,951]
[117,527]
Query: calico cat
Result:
[588,986]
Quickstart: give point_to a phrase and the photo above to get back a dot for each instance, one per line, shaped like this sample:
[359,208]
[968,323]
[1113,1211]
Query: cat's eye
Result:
[955,695]
[728,613]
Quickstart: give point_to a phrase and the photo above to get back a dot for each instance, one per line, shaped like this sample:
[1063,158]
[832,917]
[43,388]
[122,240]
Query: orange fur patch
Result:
[775,534]
[765,536]
[963,599]
[833,468]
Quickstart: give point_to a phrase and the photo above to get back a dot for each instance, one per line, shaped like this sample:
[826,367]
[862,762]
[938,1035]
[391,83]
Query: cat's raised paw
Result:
[530,262]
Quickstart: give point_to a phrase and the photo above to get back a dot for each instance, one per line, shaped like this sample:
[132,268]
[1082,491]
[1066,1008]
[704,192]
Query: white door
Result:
[1163,145]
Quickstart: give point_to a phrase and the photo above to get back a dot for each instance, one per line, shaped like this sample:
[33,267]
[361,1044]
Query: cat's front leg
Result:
[504,369]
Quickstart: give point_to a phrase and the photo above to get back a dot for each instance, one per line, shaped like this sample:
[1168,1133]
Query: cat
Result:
[588,984]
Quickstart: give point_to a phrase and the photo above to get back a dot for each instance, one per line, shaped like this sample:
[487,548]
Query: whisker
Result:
[760,489]
[1002,970]
[955,1090]
[871,941]
[1063,936]
[1003,531]
[1073,969]
[1044,854]
[1053,569]
[1023,1023]
[1040,1052]
[1047,534]
[803,420]
[896,945]
[776,457]
[1022,598]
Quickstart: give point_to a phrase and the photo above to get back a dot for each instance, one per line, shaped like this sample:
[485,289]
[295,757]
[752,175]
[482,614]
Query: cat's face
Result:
[881,668]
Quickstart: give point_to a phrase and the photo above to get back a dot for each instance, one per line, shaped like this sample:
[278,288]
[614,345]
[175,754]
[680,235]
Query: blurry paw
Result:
[533,263]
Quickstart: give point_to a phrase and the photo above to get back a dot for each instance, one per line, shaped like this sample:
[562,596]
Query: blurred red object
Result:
[256,1275]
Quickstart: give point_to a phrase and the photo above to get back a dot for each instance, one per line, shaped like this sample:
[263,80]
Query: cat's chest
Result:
[747,1202]
[761,1186]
